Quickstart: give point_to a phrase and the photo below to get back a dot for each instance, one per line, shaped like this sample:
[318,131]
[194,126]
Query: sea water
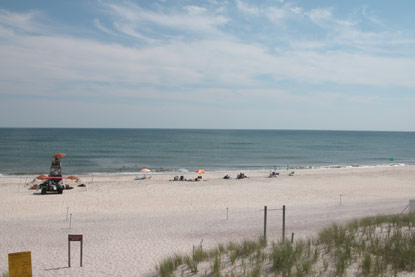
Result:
[114,151]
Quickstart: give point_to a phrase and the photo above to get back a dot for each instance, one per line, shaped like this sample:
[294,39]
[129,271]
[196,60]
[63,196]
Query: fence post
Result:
[283,223]
[265,222]
[69,253]
[412,205]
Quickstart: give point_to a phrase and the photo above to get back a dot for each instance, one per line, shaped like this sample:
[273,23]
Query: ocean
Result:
[29,151]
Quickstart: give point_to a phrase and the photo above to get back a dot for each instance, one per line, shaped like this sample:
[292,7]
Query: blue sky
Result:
[280,64]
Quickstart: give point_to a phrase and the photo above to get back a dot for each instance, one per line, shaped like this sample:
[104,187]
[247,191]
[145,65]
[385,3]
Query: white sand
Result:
[129,226]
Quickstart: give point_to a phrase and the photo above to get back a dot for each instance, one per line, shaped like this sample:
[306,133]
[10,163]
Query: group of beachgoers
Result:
[181,178]
[241,175]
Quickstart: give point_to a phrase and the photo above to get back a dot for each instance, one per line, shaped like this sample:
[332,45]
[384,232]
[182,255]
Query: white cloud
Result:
[297,10]
[19,21]
[194,10]
[51,61]
[129,30]
[98,24]
[320,16]
[245,8]
[132,20]
[276,13]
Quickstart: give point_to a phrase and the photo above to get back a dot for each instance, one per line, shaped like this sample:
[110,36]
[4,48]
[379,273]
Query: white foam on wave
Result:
[222,170]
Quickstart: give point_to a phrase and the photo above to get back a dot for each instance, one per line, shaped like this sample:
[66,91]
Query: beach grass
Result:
[373,246]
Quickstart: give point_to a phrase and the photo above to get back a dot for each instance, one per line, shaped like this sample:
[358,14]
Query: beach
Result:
[129,225]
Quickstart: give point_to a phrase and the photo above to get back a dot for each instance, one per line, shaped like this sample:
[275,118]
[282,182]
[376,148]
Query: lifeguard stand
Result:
[53,183]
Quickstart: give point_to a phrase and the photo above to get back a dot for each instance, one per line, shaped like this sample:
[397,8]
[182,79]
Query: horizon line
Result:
[212,129]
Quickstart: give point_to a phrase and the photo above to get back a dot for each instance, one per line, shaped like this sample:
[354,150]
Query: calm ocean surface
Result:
[29,151]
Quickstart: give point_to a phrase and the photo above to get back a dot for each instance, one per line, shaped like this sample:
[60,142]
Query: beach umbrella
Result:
[145,170]
[200,171]
[73,178]
[42,177]
[59,155]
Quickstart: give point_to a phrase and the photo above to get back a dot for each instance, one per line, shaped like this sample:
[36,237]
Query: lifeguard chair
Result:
[53,182]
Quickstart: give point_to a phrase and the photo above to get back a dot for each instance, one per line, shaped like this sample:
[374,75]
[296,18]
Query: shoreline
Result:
[185,171]
[131,225]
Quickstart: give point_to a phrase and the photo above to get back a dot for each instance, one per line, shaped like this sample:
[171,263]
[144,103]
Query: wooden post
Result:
[265,222]
[81,252]
[411,205]
[69,253]
[283,223]
[292,237]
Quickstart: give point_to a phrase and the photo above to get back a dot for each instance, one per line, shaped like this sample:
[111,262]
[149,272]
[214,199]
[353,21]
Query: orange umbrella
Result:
[59,155]
[42,177]
[72,178]
[145,170]
[200,171]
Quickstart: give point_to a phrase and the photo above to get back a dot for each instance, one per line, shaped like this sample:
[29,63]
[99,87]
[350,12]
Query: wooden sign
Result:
[73,238]
[20,264]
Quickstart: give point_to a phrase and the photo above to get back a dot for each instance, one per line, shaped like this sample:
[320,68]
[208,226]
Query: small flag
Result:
[391,159]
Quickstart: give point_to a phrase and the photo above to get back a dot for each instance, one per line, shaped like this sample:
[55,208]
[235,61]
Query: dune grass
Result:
[374,246]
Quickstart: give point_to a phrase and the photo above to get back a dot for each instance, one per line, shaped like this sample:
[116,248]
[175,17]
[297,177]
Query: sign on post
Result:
[20,264]
[73,238]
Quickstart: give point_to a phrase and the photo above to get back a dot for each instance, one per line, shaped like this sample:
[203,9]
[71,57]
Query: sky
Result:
[237,64]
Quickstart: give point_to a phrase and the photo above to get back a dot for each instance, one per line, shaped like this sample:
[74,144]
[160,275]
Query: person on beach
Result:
[241,176]
[274,174]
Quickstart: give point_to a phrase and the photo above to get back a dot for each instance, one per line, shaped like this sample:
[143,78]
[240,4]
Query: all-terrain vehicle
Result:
[53,182]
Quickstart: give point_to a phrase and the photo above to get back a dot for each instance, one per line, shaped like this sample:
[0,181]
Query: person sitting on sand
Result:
[274,174]
[241,176]
[226,176]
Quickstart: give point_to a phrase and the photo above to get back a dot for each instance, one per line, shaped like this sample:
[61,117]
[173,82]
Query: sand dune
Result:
[130,225]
